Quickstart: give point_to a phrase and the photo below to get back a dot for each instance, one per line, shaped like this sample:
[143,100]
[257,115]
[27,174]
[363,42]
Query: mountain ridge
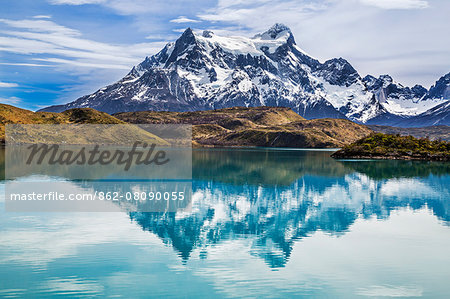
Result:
[237,126]
[256,126]
[204,71]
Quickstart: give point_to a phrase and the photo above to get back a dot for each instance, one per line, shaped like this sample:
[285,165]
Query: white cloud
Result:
[84,64]
[38,25]
[376,36]
[144,7]
[259,15]
[397,4]
[66,46]
[44,43]
[42,17]
[76,2]
[25,64]
[11,100]
[7,84]
[184,19]
[163,38]
[179,30]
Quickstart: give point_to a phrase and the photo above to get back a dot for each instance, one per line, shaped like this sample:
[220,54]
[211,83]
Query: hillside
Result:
[384,146]
[238,126]
[13,115]
[256,126]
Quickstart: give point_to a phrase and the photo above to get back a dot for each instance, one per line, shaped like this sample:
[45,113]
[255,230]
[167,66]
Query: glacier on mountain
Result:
[202,70]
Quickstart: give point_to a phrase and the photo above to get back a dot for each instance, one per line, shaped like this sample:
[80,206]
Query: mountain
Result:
[431,132]
[439,115]
[206,71]
[410,107]
[256,126]
[238,126]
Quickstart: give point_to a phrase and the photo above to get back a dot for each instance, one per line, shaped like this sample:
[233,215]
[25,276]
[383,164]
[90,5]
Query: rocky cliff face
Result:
[202,71]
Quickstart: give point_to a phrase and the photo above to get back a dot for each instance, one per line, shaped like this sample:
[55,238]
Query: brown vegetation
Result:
[256,126]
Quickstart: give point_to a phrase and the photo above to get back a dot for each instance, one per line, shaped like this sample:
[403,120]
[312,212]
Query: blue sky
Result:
[54,51]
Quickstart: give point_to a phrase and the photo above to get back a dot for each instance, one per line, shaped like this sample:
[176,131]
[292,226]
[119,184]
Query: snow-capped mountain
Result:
[438,115]
[405,106]
[203,71]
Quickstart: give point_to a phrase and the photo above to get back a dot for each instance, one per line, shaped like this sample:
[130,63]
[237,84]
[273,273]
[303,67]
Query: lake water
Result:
[263,223]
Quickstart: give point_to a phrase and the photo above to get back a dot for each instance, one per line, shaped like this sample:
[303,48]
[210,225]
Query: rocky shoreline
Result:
[393,156]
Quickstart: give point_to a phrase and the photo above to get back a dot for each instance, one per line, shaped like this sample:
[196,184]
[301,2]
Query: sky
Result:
[54,51]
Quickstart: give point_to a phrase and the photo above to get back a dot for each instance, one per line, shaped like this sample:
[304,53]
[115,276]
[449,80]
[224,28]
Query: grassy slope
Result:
[238,126]
[256,126]
[13,115]
[385,146]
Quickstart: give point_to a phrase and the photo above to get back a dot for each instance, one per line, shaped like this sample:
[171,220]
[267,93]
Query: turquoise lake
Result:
[263,223]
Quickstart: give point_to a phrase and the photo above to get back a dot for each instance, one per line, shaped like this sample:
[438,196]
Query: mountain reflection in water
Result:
[262,223]
[277,197]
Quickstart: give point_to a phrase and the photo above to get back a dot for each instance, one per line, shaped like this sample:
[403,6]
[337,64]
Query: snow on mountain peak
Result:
[207,33]
[441,90]
[279,33]
[275,31]
[259,45]
[386,79]
[203,70]
[398,99]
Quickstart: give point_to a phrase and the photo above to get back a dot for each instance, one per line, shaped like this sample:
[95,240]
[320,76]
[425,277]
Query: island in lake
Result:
[395,147]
